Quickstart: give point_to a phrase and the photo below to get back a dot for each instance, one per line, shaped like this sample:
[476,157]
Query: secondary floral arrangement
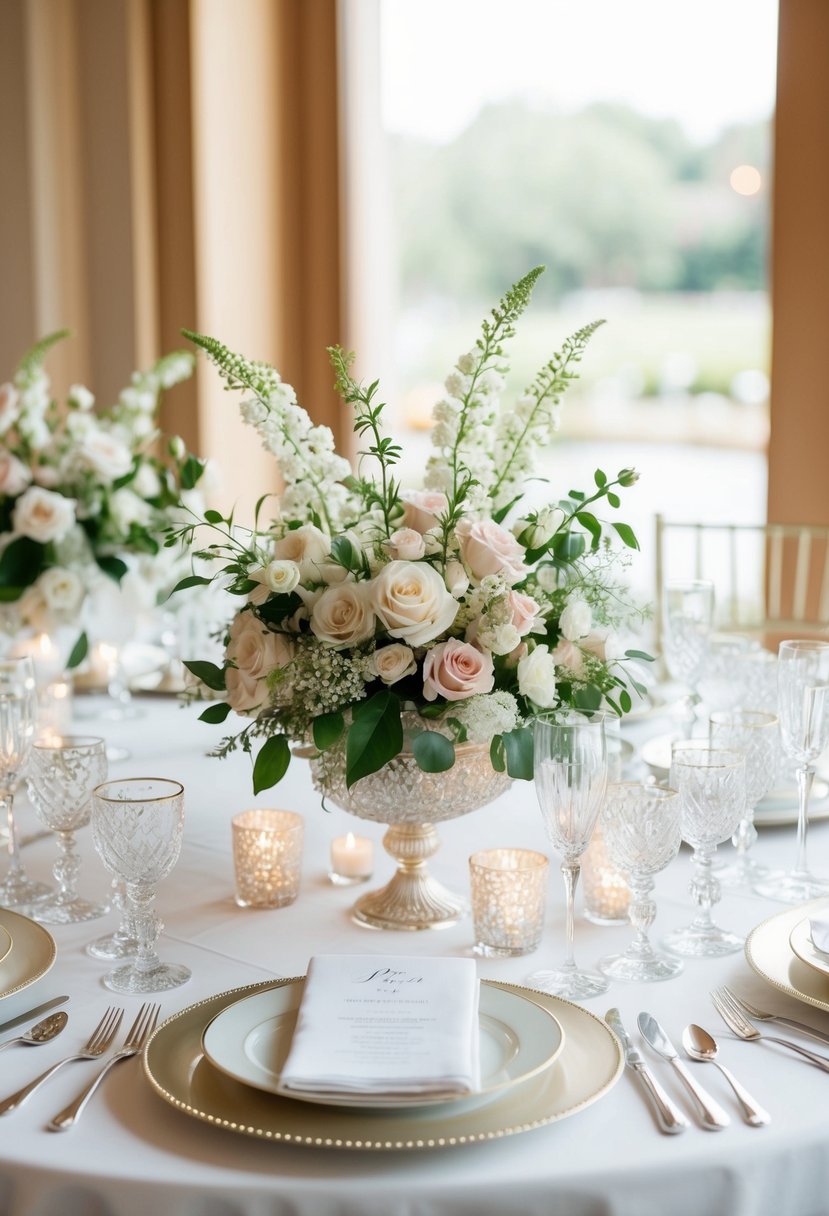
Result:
[82,490]
[365,599]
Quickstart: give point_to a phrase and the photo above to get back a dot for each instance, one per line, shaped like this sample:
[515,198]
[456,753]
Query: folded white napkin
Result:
[819,931]
[370,1024]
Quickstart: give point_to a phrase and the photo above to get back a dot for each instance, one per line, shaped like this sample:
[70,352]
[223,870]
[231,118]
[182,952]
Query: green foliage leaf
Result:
[214,517]
[434,753]
[568,546]
[625,701]
[113,567]
[374,737]
[628,535]
[639,654]
[327,729]
[208,673]
[600,479]
[78,653]
[191,471]
[21,562]
[192,580]
[588,698]
[215,713]
[613,499]
[271,764]
[518,745]
[279,607]
[497,755]
[501,514]
[589,521]
[433,709]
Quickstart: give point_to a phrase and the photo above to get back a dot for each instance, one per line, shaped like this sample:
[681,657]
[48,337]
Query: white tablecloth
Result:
[132,1153]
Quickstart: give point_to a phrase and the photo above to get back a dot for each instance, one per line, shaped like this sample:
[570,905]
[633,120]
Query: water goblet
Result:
[570,782]
[803,708]
[137,825]
[122,943]
[754,733]
[711,786]
[688,614]
[62,773]
[642,830]
[18,720]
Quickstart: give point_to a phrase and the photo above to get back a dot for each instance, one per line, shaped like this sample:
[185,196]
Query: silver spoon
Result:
[41,1032]
[700,1045]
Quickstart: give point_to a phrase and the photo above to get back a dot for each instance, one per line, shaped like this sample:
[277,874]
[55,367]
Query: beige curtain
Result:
[174,163]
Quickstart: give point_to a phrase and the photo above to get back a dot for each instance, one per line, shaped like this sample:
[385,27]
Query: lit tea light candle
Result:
[45,656]
[267,857]
[54,717]
[606,891]
[352,859]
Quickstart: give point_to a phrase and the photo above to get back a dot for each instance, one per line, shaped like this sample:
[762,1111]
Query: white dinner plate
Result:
[769,953]
[800,940]
[250,1040]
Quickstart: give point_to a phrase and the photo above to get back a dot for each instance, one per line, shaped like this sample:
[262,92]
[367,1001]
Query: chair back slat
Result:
[801,575]
[774,592]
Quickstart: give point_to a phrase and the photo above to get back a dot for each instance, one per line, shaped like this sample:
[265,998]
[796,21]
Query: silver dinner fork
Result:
[98,1042]
[737,1022]
[143,1026]
[762,1016]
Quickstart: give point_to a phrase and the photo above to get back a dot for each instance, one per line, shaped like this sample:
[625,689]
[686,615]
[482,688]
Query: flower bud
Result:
[628,477]
[177,448]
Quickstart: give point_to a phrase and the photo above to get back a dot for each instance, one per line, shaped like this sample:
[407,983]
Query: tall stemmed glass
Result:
[688,616]
[123,942]
[754,733]
[803,706]
[642,831]
[711,783]
[570,783]
[18,720]
[137,825]
[62,774]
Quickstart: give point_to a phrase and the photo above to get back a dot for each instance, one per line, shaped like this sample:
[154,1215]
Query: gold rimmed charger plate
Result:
[589,1066]
[770,955]
[33,953]
[5,942]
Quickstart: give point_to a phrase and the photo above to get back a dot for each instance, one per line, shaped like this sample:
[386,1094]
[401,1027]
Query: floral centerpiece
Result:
[82,491]
[376,616]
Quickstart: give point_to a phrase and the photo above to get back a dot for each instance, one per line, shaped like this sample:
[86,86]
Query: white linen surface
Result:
[132,1153]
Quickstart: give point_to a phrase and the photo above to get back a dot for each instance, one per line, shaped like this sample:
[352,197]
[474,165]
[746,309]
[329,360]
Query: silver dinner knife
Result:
[712,1115]
[32,1013]
[668,1116]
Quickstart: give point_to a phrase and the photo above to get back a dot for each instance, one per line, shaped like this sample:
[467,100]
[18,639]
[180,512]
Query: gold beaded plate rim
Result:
[769,954]
[588,1068]
[32,954]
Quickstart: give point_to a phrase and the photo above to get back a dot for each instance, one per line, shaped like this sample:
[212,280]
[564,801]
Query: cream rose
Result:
[523,611]
[105,455]
[406,544]
[43,515]
[487,548]
[455,670]
[9,406]
[279,576]
[537,677]
[412,602]
[343,615]
[569,655]
[310,548]
[422,508]
[392,663]
[14,475]
[256,652]
[62,590]
[575,620]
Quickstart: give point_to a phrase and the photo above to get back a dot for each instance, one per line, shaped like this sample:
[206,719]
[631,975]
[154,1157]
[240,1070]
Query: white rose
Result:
[343,616]
[575,620]
[412,602]
[278,576]
[146,481]
[392,663]
[105,455]
[80,396]
[487,548]
[537,677]
[33,609]
[256,653]
[506,639]
[43,515]
[14,474]
[9,406]
[547,578]
[126,509]
[406,544]
[62,589]
[456,579]
[310,548]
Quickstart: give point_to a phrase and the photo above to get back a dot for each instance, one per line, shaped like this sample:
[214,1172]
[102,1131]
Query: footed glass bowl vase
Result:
[411,802]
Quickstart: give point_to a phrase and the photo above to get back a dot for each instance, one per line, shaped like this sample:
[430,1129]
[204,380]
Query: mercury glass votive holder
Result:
[267,857]
[605,890]
[509,888]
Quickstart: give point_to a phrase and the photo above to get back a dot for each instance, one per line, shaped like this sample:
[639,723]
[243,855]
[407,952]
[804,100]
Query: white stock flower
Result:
[468,362]
[14,474]
[146,481]
[106,455]
[62,590]
[406,544]
[126,509]
[343,615]
[537,677]
[576,620]
[138,400]
[456,383]
[391,663]
[43,515]
[80,397]
[412,602]
[9,406]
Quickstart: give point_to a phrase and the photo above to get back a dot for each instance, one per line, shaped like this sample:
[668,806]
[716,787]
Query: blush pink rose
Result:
[456,670]
[524,610]
[568,654]
[487,548]
[422,508]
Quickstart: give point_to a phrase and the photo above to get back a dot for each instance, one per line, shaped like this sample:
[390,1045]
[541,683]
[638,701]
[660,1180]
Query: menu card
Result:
[371,1024]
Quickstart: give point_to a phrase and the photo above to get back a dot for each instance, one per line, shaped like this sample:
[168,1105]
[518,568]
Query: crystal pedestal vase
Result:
[411,802]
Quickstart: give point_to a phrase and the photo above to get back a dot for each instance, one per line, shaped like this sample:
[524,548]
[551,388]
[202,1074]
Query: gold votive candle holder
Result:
[267,857]
[605,890]
[509,889]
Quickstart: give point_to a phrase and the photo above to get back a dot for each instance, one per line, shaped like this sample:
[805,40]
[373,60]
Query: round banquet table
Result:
[133,1153]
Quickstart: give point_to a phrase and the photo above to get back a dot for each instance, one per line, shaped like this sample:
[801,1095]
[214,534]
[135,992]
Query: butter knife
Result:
[32,1013]
[668,1116]
[712,1115]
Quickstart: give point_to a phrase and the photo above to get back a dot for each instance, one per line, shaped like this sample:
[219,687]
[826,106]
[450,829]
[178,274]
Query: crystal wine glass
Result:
[570,783]
[642,830]
[137,825]
[711,784]
[803,706]
[123,942]
[688,614]
[754,733]
[18,719]
[62,773]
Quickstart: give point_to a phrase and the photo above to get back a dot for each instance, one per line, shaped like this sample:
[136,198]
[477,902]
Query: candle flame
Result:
[350,841]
